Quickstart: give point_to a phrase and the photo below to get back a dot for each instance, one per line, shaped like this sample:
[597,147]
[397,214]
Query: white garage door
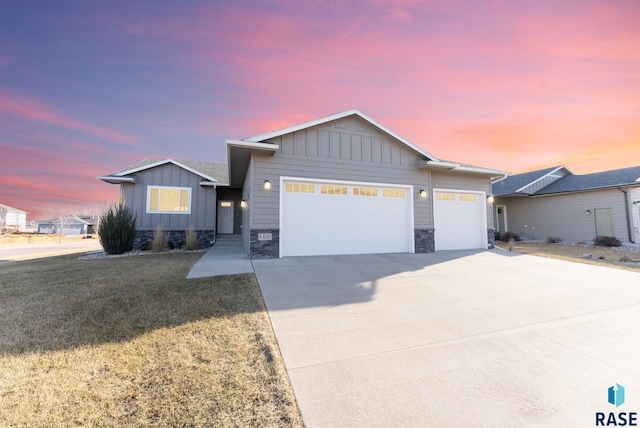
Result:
[459,220]
[320,218]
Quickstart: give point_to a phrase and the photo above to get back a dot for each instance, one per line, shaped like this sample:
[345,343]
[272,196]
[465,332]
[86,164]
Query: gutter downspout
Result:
[627,213]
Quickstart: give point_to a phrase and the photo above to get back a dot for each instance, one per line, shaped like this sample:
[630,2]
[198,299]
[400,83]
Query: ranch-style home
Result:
[555,203]
[342,184]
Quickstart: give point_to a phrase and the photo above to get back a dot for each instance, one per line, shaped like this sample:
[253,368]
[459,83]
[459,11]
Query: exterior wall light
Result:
[267,185]
[423,193]
[490,199]
[587,212]
[243,203]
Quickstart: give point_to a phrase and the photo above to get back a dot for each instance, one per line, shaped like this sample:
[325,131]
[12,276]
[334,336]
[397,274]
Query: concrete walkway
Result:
[454,338]
[226,257]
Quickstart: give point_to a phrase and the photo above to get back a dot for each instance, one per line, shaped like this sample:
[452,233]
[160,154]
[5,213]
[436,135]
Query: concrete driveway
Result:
[457,338]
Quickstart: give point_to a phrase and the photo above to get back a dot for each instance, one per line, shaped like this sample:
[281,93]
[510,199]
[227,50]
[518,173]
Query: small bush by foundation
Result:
[159,242]
[606,241]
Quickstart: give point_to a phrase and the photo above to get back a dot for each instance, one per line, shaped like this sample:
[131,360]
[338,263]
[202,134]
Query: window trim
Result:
[160,188]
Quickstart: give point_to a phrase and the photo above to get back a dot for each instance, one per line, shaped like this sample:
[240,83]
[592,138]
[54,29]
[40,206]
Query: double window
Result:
[168,200]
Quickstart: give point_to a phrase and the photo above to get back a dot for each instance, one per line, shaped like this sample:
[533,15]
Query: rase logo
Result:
[615,396]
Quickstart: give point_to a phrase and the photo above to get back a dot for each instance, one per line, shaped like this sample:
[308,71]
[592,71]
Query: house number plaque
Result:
[265,236]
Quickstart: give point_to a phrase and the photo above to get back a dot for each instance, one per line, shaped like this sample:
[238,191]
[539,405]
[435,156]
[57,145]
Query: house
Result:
[342,184]
[71,225]
[554,202]
[178,195]
[12,219]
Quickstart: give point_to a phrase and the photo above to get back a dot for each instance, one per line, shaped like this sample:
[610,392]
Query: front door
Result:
[225,217]
[502,218]
[604,222]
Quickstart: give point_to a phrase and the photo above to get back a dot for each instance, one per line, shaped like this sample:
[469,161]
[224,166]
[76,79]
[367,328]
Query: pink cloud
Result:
[34,110]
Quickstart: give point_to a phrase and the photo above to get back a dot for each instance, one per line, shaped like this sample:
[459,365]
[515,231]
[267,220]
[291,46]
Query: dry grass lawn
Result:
[602,256]
[130,342]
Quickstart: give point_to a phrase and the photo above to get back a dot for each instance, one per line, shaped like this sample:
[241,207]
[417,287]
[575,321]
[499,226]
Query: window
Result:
[300,188]
[333,190]
[465,197]
[394,193]
[365,191]
[446,196]
[169,200]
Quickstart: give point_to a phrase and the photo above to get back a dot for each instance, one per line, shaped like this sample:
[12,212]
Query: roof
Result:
[239,151]
[322,120]
[598,180]
[13,210]
[517,184]
[513,183]
[214,172]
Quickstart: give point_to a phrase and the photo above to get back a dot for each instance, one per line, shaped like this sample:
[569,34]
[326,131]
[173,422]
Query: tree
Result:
[4,215]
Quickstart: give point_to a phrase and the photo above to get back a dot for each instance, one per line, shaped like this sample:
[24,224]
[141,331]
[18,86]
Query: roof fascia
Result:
[452,166]
[163,162]
[116,180]
[590,189]
[320,121]
[265,147]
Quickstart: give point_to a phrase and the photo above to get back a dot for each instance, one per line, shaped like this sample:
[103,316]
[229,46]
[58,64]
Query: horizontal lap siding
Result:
[345,150]
[564,216]
[202,215]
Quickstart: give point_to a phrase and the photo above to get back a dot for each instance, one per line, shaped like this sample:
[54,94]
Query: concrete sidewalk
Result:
[454,338]
[226,257]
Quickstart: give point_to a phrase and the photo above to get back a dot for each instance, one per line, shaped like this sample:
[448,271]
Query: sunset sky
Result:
[89,87]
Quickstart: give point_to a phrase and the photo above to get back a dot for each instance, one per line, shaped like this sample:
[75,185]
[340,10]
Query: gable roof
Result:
[326,119]
[597,180]
[213,172]
[515,184]
[518,184]
[13,210]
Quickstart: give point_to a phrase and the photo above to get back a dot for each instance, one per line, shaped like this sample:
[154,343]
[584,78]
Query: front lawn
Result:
[130,342]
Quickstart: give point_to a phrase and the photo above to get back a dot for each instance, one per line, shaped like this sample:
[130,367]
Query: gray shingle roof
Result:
[511,184]
[570,182]
[597,180]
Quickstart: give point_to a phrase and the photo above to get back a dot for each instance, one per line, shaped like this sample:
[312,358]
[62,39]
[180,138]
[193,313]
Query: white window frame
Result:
[160,188]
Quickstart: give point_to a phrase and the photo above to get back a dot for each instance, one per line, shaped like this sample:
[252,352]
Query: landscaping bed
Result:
[618,257]
[130,342]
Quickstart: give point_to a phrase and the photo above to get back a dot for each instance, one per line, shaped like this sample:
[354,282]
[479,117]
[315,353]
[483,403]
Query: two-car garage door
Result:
[330,217]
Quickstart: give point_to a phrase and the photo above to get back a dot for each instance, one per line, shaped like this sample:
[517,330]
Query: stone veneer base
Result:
[176,237]
[264,248]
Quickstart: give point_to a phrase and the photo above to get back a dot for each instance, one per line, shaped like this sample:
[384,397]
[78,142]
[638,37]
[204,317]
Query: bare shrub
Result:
[159,242]
[191,242]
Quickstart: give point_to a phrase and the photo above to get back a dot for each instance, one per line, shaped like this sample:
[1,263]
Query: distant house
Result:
[554,202]
[341,184]
[72,225]
[13,218]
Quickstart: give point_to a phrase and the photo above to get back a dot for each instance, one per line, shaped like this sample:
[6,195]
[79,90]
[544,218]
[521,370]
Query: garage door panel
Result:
[318,223]
[459,220]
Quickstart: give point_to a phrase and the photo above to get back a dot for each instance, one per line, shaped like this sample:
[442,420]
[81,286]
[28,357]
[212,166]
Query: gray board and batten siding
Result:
[203,199]
[347,149]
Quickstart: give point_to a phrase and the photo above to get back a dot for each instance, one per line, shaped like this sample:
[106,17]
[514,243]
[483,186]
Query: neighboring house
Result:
[554,202]
[13,218]
[342,184]
[72,225]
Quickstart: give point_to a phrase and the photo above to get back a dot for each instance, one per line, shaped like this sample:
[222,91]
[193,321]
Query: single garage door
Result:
[459,220]
[321,218]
